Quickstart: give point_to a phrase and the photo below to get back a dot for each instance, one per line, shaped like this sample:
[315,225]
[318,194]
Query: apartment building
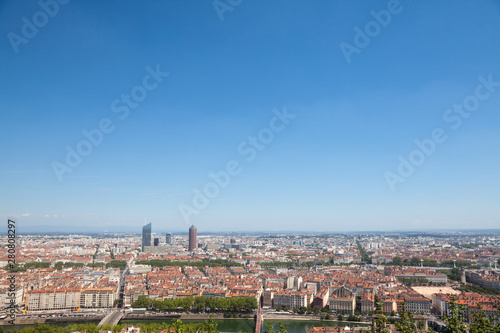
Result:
[418,305]
[97,298]
[292,299]
[345,305]
[53,299]
[367,303]
[5,298]
[389,305]
[342,300]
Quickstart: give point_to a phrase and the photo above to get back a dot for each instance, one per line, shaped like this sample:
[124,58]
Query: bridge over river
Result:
[111,318]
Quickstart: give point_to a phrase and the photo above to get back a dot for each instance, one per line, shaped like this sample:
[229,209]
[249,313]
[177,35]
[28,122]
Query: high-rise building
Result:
[192,238]
[156,241]
[146,236]
[168,239]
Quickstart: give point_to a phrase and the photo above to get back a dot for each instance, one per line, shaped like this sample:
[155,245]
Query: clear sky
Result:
[354,82]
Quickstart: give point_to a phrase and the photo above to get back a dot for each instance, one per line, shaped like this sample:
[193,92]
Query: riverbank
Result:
[309,318]
[128,316]
[224,325]
[51,320]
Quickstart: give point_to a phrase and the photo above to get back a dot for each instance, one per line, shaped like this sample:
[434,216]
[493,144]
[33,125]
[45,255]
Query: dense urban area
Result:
[359,280]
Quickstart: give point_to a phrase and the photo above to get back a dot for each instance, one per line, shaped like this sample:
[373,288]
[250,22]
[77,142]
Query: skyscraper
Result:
[146,236]
[192,238]
[168,239]
[156,241]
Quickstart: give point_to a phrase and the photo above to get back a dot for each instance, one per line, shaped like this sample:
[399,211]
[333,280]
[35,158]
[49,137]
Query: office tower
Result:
[156,241]
[192,238]
[146,236]
[168,239]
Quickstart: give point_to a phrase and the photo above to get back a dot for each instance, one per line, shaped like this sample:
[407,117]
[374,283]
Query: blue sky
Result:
[325,171]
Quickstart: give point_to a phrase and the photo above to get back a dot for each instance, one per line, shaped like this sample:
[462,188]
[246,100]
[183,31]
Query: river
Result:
[226,325]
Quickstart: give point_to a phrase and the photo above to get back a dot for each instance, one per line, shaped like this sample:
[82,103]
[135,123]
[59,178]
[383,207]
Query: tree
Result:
[397,261]
[481,323]
[415,261]
[341,317]
[282,328]
[121,264]
[378,305]
[269,328]
[117,328]
[210,325]
[177,326]
[380,324]
[454,319]
[406,324]
[142,302]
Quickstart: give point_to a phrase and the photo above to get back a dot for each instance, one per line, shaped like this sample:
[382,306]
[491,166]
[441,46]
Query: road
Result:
[122,284]
[112,318]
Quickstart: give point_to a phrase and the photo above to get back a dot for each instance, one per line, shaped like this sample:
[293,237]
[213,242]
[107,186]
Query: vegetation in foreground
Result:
[177,326]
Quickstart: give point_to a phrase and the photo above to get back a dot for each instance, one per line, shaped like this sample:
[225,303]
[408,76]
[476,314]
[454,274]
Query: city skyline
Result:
[331,117]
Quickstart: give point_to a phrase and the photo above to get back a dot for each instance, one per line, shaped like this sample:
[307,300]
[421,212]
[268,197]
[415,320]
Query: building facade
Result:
[192,238]
[146,236]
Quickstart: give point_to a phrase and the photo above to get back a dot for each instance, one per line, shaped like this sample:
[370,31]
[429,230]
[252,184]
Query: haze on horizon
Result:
[265,116]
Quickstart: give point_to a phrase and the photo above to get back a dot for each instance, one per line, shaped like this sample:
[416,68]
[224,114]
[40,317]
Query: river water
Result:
[228,325]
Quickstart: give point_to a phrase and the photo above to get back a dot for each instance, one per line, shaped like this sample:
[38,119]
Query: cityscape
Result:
[321,280]
[254,166]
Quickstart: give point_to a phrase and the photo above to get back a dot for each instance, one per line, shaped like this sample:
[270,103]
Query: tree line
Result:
[60,265]
[182,264]
[362,252]
[415,261]
[199,303]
